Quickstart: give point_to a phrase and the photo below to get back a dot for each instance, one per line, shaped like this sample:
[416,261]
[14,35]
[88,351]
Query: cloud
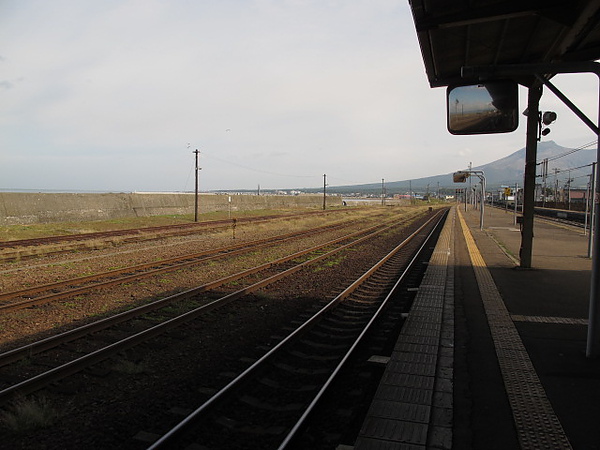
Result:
[116,90]
[465,152]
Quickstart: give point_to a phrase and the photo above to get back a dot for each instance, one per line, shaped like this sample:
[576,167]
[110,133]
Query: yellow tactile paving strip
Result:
[546,319]
[536,423]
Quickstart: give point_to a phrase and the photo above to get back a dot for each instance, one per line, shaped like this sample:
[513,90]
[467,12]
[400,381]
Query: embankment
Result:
[27,208]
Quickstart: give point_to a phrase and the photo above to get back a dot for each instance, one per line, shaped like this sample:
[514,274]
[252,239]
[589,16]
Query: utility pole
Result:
[382,192]
[544,178]
[324,191]
[196,191]
[556,171]
[516,196]
[569,190]
[410,190]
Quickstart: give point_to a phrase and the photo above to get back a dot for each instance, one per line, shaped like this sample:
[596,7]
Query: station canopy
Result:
[457,33]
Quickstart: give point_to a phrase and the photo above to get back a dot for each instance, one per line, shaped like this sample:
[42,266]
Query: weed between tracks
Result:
[29,414]
[130,367]
[329,263]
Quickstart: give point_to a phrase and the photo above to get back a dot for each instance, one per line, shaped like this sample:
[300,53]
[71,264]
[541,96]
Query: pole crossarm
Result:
[479,173]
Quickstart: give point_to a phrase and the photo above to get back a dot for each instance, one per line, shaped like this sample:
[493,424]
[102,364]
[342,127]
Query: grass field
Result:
[15,232]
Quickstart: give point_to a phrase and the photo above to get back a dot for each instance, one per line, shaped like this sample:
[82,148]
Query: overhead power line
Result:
[580,167]
[254,169]
[572,151]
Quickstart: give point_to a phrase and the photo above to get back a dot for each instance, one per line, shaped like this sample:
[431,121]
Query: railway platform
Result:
[492,356]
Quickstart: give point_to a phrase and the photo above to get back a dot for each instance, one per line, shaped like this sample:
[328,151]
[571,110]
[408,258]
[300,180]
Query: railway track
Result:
[22,248]
[131,328]
[269,405]
[575,219]
[26,351]
[50,292]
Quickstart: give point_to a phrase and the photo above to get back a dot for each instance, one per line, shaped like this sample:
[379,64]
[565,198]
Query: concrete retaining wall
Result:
[26,208]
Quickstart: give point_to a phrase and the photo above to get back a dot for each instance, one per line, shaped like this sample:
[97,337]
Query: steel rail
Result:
[166,440]
[146,232]
[554,220]
[313,404]
[53,341]
[135,235]
[39,381]
[165,265]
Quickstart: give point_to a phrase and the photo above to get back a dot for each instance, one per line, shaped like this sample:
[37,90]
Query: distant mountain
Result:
[505,171]
[510,170]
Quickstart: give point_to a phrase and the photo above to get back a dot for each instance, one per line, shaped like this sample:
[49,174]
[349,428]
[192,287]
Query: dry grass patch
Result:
[31,231]
[127,367]
[29,414]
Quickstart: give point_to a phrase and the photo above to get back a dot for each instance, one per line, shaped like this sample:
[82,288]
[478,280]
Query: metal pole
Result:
[480,174]
[471,200]
[382,192]
[482,200]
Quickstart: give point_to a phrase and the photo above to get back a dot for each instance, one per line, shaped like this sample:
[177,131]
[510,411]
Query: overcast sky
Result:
[115,95]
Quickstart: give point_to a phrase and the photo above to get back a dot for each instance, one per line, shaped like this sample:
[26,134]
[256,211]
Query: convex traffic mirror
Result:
[487,107]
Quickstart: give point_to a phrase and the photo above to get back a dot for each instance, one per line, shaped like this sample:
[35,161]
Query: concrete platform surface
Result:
[514,353]
[548,305]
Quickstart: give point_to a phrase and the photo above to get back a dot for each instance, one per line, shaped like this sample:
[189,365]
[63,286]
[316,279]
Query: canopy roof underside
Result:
[457,33]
